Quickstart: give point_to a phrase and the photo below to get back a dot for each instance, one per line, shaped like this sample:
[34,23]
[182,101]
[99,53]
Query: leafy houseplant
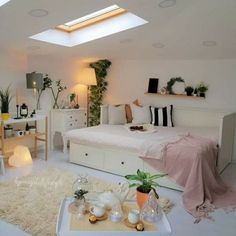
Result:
[189,90]
[144,182]
[202,88]
[97,92]
[48,83]
[5,98]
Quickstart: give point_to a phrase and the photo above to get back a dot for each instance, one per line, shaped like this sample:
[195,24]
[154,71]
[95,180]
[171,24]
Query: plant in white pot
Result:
[5,99]
[144,182]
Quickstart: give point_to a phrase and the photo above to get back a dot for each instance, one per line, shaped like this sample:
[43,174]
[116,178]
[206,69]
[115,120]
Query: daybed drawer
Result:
[85,155]
[118,163]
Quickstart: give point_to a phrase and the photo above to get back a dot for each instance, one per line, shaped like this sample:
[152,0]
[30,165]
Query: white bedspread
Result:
[145,144]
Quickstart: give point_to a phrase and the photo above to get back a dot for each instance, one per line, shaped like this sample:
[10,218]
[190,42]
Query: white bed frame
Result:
[121,162]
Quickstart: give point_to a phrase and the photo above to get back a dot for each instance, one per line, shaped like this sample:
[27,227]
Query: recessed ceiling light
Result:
[209,43]
[2,2]
[167,3]
[158,45]
[126,40]
[33,48]
[38,13]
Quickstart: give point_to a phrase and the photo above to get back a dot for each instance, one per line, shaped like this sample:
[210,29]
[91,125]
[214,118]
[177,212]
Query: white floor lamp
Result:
[88,78]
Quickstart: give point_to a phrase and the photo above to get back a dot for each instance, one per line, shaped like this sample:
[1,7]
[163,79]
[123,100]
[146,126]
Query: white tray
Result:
[62,227]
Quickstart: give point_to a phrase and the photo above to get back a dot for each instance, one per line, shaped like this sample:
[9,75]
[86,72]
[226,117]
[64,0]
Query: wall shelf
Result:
[175,95]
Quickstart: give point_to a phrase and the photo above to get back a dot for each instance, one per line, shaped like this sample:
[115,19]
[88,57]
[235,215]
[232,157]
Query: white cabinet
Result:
[63,120]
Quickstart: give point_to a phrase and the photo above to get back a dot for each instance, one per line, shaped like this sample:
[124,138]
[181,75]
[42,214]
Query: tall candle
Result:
[17,97]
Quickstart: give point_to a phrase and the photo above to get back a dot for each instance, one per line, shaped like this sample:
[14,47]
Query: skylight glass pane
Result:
[102,29]
[2,2]
[92,15]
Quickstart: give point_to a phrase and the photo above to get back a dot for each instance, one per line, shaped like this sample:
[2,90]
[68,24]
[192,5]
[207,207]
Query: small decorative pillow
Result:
[128,110]
[162,116]
[141,115]
[116,115]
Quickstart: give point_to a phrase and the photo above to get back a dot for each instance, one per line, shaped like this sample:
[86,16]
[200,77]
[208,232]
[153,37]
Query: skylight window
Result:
[94,26]
[92,18]
[2,2]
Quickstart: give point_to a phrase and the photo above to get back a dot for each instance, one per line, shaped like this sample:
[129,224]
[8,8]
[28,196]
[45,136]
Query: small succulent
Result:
[79,194]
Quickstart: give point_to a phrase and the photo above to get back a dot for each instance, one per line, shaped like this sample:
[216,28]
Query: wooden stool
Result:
[2,168]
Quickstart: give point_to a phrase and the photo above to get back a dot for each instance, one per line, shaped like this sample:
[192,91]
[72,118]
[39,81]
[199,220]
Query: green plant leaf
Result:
[157,176]
[133,177]
[156,195]
[141,174]
[134,185]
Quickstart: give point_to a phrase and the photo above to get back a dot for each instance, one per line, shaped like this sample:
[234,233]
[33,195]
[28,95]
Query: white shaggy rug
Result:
[32,202]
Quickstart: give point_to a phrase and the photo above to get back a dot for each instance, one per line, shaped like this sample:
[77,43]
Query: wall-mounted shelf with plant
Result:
[175,95]
[176,87]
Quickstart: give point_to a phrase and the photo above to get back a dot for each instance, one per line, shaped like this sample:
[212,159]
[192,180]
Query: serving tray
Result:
[162,227]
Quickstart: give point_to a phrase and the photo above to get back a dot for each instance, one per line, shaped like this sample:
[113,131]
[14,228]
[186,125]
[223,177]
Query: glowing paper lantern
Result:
[21,157]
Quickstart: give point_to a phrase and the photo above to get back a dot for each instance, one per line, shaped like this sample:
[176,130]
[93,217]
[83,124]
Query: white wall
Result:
[65,69]
[13,66]
[128,80]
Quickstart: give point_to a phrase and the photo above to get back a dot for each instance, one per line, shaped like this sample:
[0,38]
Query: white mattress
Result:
[119,137]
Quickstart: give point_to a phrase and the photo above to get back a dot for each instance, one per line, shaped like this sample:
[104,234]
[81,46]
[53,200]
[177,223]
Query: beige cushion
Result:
[116,115]
[141,115]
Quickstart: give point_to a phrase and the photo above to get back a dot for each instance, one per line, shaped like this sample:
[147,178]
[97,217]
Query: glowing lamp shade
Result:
[21,157]
[88,77]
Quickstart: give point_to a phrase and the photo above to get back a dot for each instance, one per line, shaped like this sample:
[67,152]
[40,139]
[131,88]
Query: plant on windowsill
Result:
[5,99]
[144,182]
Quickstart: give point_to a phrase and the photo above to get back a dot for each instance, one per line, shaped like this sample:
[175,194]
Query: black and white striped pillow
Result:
[162,116]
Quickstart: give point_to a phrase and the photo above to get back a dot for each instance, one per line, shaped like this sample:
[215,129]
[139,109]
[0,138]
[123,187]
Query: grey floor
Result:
[181,222]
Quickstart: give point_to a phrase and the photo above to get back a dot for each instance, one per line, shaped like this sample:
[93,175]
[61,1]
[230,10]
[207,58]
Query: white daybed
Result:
[122,160]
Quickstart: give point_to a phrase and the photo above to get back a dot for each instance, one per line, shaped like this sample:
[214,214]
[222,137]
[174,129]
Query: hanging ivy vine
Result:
[97,92]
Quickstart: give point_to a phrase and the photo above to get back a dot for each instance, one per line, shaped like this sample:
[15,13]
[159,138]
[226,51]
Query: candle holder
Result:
[17,113]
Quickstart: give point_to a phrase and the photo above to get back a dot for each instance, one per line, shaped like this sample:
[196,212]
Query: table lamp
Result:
[88,78]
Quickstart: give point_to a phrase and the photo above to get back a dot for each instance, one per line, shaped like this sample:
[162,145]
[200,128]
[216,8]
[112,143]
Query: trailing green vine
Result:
[97,92]
[171,82]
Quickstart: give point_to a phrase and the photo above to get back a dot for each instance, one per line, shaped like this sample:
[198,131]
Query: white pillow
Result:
[141,115]
[116,115]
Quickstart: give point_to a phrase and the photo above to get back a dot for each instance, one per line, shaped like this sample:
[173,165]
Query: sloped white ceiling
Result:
[181,29]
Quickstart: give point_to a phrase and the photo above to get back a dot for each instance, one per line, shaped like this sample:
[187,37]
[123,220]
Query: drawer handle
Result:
[70,124]
[85,123]
[85,114]
[122,163]
[86,154]
[71,117]
[76,120]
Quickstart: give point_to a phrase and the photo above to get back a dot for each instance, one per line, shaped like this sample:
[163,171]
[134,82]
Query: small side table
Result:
[2,168]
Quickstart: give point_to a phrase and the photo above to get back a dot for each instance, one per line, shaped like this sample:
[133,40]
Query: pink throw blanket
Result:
[190,161]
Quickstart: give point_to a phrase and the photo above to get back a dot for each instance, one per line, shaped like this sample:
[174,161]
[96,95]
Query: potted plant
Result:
[144,182]
[189,90]
[5,98]
[202,88]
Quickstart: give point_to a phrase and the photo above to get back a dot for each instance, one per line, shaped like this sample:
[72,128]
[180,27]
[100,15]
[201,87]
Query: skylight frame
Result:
[93,18]
[3,2]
